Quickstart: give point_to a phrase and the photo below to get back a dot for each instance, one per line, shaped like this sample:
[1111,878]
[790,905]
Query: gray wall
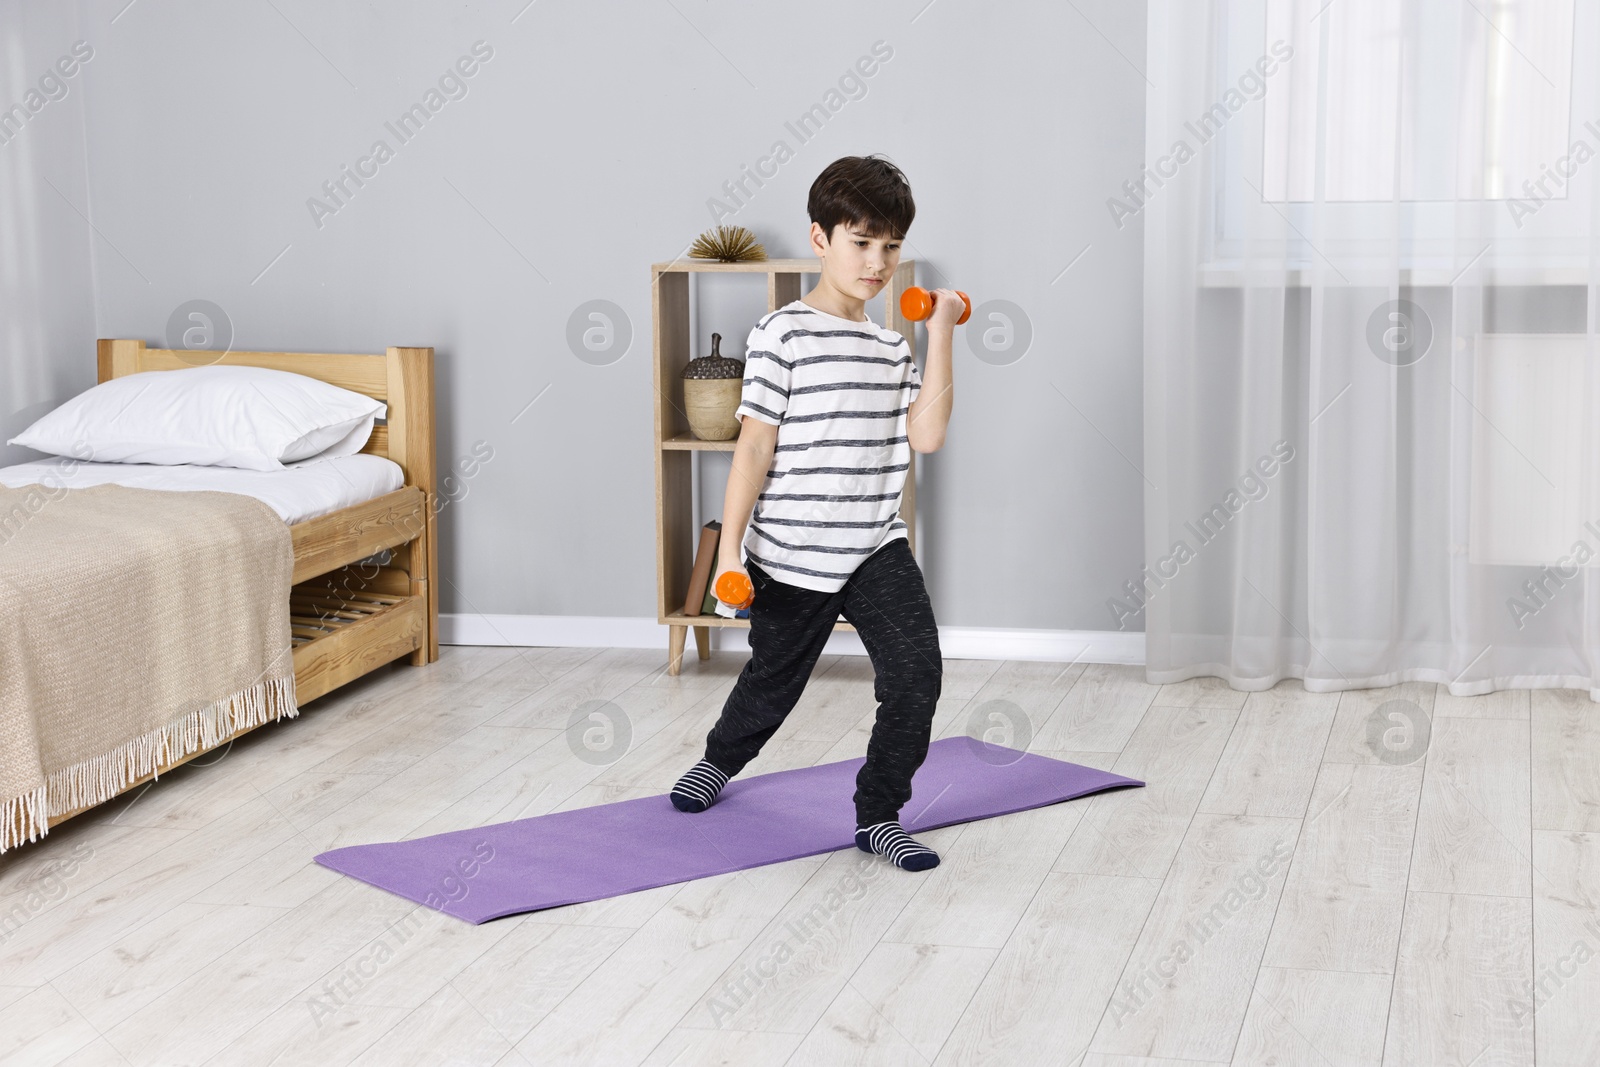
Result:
[583,150]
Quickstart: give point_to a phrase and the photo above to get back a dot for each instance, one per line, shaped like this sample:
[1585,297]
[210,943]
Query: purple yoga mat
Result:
[567,857]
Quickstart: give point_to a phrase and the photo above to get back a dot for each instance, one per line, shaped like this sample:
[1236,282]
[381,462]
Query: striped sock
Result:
[889,839]
[697,790]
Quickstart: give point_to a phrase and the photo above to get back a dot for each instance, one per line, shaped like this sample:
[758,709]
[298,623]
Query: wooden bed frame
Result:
[345,619]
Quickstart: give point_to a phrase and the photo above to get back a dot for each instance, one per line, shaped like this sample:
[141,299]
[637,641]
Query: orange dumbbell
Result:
[734,590]
[916,304]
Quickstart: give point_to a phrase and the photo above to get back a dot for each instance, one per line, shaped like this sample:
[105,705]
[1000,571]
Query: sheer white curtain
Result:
[1372,234]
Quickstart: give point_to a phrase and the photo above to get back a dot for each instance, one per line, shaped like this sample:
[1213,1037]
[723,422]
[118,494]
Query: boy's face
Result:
[855,263]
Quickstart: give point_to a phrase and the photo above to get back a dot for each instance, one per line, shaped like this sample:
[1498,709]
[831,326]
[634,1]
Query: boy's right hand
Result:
[725,566]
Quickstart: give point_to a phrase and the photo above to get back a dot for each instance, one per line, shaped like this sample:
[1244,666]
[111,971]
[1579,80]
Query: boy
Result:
[832,406]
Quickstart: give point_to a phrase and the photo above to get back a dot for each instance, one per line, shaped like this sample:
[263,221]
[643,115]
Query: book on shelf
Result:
[701,599]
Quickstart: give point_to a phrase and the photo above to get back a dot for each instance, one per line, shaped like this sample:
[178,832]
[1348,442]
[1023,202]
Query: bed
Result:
[362,528]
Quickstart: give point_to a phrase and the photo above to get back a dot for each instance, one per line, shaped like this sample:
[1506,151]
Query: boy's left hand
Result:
[947,308]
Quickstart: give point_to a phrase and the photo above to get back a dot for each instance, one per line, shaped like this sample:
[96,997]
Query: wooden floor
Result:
[1284,891]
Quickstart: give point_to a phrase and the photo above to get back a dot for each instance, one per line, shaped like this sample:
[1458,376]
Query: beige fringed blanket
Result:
[136,626]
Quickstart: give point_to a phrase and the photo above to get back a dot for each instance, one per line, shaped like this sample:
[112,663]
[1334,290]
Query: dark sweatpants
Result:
[887,603]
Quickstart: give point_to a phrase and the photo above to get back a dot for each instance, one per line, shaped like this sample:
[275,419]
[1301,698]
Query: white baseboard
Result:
[955,642]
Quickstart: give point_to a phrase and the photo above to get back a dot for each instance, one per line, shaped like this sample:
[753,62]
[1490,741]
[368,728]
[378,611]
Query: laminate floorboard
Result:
[1289,889]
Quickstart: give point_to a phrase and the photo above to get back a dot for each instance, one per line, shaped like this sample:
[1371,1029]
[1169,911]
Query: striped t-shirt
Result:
[837,390]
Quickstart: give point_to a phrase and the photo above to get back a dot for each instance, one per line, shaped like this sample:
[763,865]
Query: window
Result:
[1474,110]
[1473,96]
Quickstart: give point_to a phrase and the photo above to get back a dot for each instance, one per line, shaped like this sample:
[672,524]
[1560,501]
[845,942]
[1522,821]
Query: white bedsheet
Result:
[302,491]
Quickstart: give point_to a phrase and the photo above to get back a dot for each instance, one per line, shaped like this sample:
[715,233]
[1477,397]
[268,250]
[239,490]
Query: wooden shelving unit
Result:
[677,537]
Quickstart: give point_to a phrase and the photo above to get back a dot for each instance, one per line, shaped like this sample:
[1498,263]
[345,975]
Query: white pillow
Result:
[215,416]
[348,445]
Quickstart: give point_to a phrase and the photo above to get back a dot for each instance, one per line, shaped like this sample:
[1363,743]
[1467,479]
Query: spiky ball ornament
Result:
[729,244]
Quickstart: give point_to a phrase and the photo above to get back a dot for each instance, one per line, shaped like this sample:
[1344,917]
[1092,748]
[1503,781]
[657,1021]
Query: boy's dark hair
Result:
[866,192]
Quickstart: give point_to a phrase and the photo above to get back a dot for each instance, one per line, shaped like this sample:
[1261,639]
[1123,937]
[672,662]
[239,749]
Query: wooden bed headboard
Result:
[400,377]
